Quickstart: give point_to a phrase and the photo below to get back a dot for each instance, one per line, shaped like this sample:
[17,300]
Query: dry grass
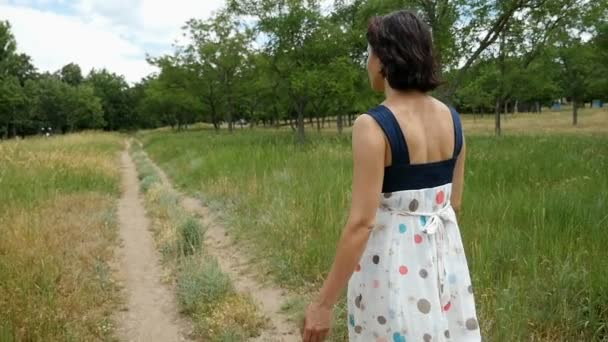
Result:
[590,121]
[57,230]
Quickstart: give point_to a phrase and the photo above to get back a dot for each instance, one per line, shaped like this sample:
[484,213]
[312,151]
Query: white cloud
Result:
[114,34]
[148,21]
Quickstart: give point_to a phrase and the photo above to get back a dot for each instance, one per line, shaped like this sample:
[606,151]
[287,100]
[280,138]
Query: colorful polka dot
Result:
[402,228]
[376,259]
[358,301]
[424,306]
[471,324]
[423,220]
[397,337]
[383,324]
[413,205]
[440,197]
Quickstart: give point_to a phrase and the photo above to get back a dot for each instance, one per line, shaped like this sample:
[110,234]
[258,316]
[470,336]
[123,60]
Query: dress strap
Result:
[389,124]
[458,134]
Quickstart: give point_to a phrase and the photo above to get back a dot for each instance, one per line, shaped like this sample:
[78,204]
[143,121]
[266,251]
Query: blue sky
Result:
[115,34]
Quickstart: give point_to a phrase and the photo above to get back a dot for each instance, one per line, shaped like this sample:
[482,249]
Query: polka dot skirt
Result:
[412,282]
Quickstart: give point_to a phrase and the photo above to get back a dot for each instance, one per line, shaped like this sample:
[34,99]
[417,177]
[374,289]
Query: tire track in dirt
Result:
[269,298]
[151,313]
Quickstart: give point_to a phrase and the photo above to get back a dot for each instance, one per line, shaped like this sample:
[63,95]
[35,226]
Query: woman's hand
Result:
[317,323]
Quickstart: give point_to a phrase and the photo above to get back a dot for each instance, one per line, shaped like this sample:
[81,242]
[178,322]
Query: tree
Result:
[256,88]
[112,90]
[289,27]
[171,97]
[83,109]
[575,66]
[15,69]
[218,50]
[12,101]
[71,74]
[63,107]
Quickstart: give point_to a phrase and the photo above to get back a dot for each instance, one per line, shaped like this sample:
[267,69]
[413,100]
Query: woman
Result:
[401,247]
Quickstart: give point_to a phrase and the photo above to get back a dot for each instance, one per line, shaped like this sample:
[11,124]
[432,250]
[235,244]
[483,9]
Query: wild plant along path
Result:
[268,298]
[151,313]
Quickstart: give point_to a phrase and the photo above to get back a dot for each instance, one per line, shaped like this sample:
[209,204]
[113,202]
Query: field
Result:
[57,229]
[533,222]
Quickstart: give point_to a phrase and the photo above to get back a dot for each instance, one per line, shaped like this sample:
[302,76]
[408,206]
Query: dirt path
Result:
[151,312]
[236,264]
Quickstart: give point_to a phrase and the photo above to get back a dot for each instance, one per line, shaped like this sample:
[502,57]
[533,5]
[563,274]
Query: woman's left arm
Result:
[368,155]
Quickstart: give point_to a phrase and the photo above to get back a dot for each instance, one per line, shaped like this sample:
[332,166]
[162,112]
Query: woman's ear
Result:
[374,70]
[379,82]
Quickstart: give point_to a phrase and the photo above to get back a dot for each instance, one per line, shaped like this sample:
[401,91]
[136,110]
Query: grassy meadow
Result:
[534,218]
[57,230]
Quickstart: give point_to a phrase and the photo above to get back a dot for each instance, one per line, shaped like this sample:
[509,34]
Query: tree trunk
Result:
[318,124]
[516,107]
[339,122]
[574,112]
[214,120]
[497,127]
[300,134]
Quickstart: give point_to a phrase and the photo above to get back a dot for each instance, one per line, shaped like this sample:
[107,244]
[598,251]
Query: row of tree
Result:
[63,101]
[282,62]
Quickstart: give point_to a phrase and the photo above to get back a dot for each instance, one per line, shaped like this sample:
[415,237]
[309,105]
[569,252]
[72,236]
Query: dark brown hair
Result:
[404,45]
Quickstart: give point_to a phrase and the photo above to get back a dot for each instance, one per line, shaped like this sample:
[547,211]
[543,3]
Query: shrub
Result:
[190,236]
[201,283]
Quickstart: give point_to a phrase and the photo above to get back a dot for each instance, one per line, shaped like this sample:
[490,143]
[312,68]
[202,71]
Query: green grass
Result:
[533,223]
[57,232]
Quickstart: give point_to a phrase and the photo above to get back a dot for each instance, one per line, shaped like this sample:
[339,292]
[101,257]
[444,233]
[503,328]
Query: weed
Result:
[200,283]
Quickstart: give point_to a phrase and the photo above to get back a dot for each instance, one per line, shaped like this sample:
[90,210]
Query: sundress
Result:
[412,282]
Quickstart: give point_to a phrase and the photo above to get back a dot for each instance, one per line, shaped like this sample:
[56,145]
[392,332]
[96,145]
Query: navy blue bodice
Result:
[402,175]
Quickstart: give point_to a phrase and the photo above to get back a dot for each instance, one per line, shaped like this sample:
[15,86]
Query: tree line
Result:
[286,62]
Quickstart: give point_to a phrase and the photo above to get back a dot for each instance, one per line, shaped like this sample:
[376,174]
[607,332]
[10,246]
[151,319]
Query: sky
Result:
[115,34]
